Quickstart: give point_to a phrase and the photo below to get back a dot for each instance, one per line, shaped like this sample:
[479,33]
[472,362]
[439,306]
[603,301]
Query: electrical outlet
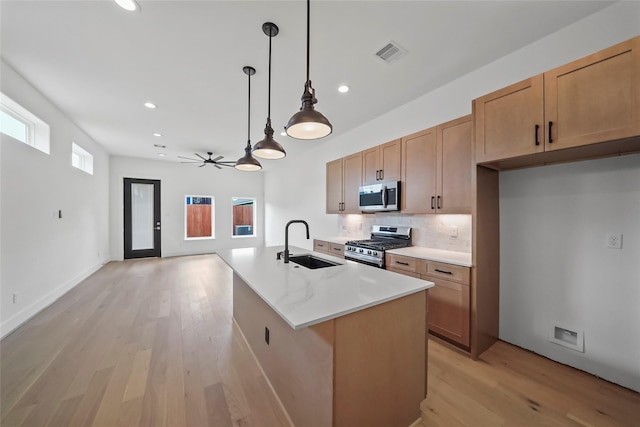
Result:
[614,241]
[453,231]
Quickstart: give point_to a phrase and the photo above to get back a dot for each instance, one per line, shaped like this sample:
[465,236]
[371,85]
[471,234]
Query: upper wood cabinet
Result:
[591,100]
[436,169]
[344,177]
[382,163]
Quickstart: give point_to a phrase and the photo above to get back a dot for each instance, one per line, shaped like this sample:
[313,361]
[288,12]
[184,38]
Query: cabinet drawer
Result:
[404,272]
[337,249]
[321,246]
[400,262]
[449,310]
[454,273]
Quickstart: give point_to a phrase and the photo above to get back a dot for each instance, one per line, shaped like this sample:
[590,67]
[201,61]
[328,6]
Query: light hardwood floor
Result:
[152,343]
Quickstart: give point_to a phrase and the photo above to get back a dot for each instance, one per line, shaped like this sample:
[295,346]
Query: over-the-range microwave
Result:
[381,197]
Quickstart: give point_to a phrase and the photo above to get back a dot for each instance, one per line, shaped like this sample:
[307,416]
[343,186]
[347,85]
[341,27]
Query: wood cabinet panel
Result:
[400,262]
[418,186]
[334,187]
[451,272]
[382,163]
[454,166]
[509,121]
[594,99]
[336,249]
[404,272]
[449,310]
[321,246]
[352,180]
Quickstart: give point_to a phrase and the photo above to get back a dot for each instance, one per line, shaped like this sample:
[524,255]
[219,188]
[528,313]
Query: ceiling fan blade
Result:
[226,163]
[217,166]
[217,158]
[188,158]
[195,161]
[202,165]
[199,156]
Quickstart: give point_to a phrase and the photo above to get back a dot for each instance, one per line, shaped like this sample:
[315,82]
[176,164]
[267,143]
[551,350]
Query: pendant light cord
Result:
[249,112]
[308,13]
[269,94]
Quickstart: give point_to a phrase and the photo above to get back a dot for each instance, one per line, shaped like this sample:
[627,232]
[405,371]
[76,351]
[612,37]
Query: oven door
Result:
[363,261]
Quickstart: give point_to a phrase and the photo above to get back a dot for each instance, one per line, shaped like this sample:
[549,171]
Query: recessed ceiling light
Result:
[161,154]
[343,89]
[129,5]
[159,146]
[157,134]
[150,105]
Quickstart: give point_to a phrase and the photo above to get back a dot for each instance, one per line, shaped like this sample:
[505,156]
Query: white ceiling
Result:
[99,63]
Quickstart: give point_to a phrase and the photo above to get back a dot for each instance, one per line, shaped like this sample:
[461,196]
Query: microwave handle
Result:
[384,196]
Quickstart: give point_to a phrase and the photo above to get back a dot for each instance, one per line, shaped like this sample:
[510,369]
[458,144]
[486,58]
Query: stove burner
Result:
[371,251]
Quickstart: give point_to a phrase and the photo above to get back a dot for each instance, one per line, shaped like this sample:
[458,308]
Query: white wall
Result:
[42,256]
[305,195]
[177,181]
[555,268]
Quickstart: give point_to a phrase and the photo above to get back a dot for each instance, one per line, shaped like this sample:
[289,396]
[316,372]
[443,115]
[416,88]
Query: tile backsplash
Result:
[433,231]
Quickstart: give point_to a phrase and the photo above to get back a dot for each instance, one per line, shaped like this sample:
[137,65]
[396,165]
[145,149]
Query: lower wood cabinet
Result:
[449,301]
[328,248]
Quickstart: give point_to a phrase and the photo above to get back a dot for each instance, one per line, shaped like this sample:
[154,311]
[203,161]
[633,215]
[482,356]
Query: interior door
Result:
[141,218]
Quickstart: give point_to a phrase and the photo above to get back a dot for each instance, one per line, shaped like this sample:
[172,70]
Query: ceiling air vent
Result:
[391,52]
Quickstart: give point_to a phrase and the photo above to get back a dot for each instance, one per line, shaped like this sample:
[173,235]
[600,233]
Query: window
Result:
[81,159]
[244,217]
[199,216]
[21,125]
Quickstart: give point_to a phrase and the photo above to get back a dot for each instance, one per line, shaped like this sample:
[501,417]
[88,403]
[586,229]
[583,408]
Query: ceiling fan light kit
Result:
[308,123]
[247,162]
[269,148]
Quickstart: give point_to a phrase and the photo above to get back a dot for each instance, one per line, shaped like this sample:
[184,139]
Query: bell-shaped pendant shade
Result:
[308,123]
[247,162]
[269,148]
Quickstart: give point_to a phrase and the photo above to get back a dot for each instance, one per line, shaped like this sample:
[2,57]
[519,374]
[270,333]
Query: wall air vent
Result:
[391,52]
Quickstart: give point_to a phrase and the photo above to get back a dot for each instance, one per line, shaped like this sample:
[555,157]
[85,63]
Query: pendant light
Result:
[248,162]
[269,148]
[308,123]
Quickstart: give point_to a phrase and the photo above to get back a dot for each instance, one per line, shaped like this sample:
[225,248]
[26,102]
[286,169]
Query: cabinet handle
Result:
[432,200]
[438,204]
[336,249]
[377,175]
[381,174]
[402,263]
[343,206]
[443,272]
[550,138]
[536,135]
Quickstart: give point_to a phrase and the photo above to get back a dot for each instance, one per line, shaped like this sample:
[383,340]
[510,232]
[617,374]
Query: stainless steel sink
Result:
[312,262]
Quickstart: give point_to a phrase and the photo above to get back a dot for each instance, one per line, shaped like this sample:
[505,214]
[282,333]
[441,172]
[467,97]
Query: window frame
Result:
[85,158]
[186,218]
[255,208]
[38,133]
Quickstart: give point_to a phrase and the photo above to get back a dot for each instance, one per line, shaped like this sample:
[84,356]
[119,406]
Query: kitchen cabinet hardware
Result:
[443,272]
[537,128]
[402,263]
[433,199]
[550,138]
[438,204]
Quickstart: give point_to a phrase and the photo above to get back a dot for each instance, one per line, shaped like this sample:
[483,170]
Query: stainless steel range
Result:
[383,237]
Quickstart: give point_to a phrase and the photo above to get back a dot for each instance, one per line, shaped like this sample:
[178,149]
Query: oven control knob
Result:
[375,254]
[368,252]
[361,251]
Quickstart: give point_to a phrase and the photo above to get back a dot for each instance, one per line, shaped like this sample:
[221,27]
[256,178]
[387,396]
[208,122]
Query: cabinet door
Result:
[334,187]
[321,246]
[594,99]
[391,160]
[509,122]
[418,186]
[337,250]
[454,166]
[370,165]
[352,180]
[449,310]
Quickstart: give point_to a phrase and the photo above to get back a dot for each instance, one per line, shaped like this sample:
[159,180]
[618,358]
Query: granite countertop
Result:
[305,297]
[439,255]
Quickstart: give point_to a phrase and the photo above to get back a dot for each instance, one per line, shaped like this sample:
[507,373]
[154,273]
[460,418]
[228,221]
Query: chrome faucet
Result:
[286,238]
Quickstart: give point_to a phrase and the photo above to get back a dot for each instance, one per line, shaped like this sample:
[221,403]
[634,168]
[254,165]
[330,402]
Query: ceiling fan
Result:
[215,162]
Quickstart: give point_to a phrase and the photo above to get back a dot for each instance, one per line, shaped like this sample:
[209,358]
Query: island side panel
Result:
[298,363]
[380,364]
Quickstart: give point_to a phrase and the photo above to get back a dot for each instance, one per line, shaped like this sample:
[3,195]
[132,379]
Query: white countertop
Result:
[305,297]
[439,255]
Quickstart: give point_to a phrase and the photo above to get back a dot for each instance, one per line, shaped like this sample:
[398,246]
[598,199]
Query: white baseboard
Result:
[27,313]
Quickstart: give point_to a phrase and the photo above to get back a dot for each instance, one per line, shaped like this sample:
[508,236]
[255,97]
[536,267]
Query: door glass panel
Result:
[141,216]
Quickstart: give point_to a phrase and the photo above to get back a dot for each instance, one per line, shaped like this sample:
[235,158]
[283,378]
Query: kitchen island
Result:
[344,345]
